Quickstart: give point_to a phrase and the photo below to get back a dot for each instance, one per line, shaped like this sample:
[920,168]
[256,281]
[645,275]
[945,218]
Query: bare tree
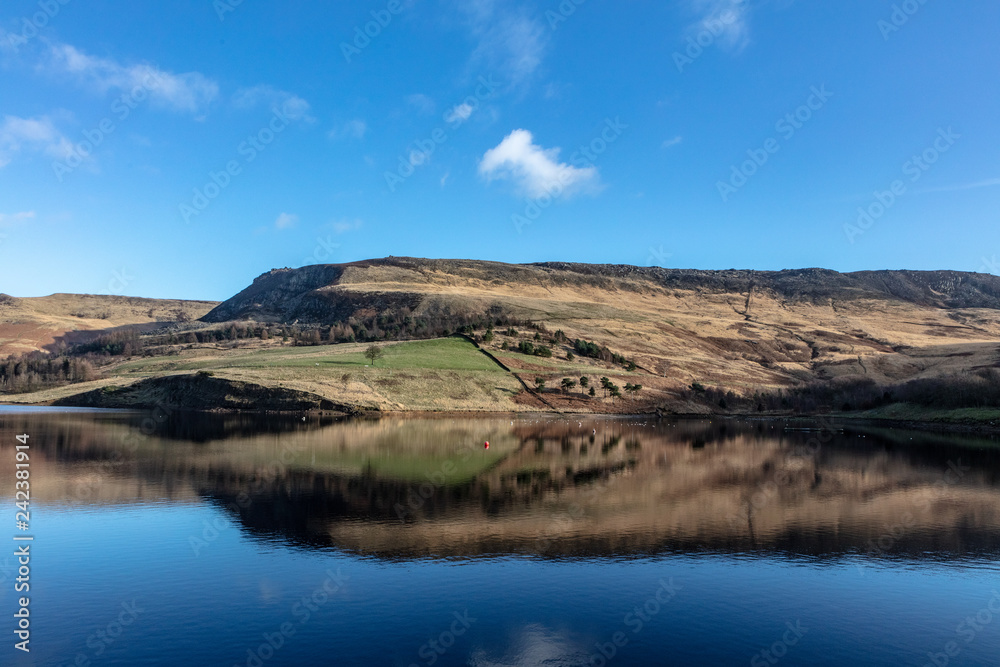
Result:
[374,353]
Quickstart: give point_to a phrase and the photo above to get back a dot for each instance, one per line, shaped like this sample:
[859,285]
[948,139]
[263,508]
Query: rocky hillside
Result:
[737,329]
[328,293]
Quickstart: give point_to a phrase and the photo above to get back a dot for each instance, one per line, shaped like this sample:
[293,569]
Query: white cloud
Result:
[285,221]
[343,226]
[509,41]
[352,129]
[190,92]
[36,134]
[421,103]
[535,171]
[670,143]
[11,219]
[291,105]
[727,20]
[460,113]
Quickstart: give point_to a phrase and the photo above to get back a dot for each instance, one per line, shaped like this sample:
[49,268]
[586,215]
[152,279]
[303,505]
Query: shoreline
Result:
[354,412]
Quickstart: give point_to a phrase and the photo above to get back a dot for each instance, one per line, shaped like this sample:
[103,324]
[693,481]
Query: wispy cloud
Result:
[291,105]
[728,20]
[535,171]
[509,40]
[190,92]
[345,225]
[286,221]
[34,134]
[988,183]
[421,103]
[462,112]
[8,220]
[670,143]
[352,129]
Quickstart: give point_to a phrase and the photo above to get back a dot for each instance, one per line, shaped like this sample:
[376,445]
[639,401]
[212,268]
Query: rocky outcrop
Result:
[331,293]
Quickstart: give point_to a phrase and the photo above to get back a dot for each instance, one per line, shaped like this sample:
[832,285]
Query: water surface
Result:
[205,540]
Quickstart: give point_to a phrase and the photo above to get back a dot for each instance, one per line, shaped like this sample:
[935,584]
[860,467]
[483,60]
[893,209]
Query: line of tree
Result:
[980,389]
[529,348]
[590,349]
[37,370]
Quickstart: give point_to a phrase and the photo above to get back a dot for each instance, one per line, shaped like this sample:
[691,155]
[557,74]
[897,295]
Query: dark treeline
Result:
[588,349]
[38,370]
[981,389]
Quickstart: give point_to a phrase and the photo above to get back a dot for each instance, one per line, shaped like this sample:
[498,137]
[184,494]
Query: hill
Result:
[735,328]
[43,323]
[696,341]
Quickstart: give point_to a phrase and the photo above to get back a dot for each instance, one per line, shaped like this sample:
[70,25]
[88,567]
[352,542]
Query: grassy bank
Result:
[447,374]
[908,412]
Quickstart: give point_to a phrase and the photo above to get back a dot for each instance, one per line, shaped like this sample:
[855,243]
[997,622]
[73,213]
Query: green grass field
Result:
[434,375]
[452,354]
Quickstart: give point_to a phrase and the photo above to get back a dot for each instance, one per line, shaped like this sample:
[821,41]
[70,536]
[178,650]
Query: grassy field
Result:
[451,354]
[439,375]
[433,375]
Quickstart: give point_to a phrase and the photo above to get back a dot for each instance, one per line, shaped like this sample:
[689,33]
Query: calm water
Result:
[247,542]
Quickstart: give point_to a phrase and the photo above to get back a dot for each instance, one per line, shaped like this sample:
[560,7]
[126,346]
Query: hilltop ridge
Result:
[323,292]
[695,340]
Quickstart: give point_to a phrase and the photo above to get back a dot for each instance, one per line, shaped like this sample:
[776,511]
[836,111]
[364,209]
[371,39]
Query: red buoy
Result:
[487,445]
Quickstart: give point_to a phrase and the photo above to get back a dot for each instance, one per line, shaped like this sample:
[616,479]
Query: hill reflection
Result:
[405,488]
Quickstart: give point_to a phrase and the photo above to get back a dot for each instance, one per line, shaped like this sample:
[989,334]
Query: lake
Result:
[249,541]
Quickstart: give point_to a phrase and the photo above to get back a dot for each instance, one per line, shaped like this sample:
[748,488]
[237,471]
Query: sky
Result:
[181,149]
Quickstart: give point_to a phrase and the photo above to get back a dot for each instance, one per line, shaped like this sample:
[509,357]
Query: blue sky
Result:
[235,137]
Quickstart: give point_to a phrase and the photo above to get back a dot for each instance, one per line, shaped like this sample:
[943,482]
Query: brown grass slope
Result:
[739,329]
[39,323]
